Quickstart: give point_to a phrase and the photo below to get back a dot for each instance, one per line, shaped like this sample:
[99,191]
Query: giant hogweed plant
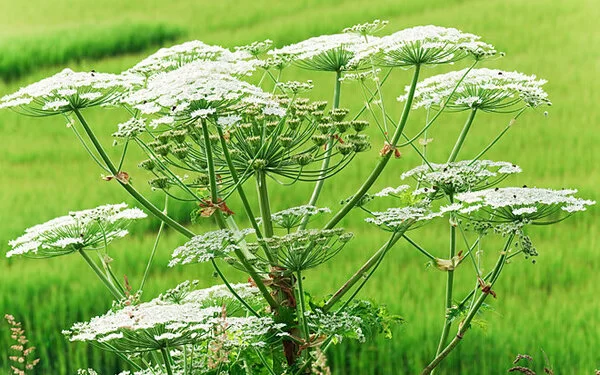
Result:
[209,134]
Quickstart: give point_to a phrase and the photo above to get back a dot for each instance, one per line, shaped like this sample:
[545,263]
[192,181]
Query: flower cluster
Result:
[79,230]
[391,191]
[218,295]
[69,90]
[195,92]
[488,90]
[422,45]
[400,219]
[304,249]
[161,324]
[292,217]
[524,204]
[461,176]
[167,59]
[368,28]
[208,246]
[325,52]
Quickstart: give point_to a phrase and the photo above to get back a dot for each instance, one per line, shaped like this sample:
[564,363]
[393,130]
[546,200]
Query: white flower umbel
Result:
[390,191]
[130,128]
[193,92]
[325,52]
[69,90]
[292,217]
[147,326]
[304,249]
[461,176]
[81,230]
[208,246]
[218,295]
[167,59]
[163,324]
[488,90]
[513,204]
[403,218]
[423,45]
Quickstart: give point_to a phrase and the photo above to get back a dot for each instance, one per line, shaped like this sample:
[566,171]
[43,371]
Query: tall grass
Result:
[19,56]
[550,305]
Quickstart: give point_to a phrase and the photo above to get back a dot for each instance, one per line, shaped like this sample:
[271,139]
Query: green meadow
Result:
[551,306]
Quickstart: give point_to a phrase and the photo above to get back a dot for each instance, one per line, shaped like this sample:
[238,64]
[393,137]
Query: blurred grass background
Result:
[551,305]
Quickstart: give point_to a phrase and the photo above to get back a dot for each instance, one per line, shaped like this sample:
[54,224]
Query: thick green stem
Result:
[265,207]
[449,287]
[461,138]
[466,323]
[130,189]
[113,290]
[301,310]
[325,164]
[214,194]
[384,159]
[167,360]
[361,271]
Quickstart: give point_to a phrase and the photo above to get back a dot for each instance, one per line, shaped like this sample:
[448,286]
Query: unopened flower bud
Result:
[147,164]
[160,183]
[338,114]
[320,139]
[303,159]
[359,125]
[342,126]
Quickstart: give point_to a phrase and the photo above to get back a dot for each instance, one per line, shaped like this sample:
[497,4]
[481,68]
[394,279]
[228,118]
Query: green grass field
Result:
[552,305]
